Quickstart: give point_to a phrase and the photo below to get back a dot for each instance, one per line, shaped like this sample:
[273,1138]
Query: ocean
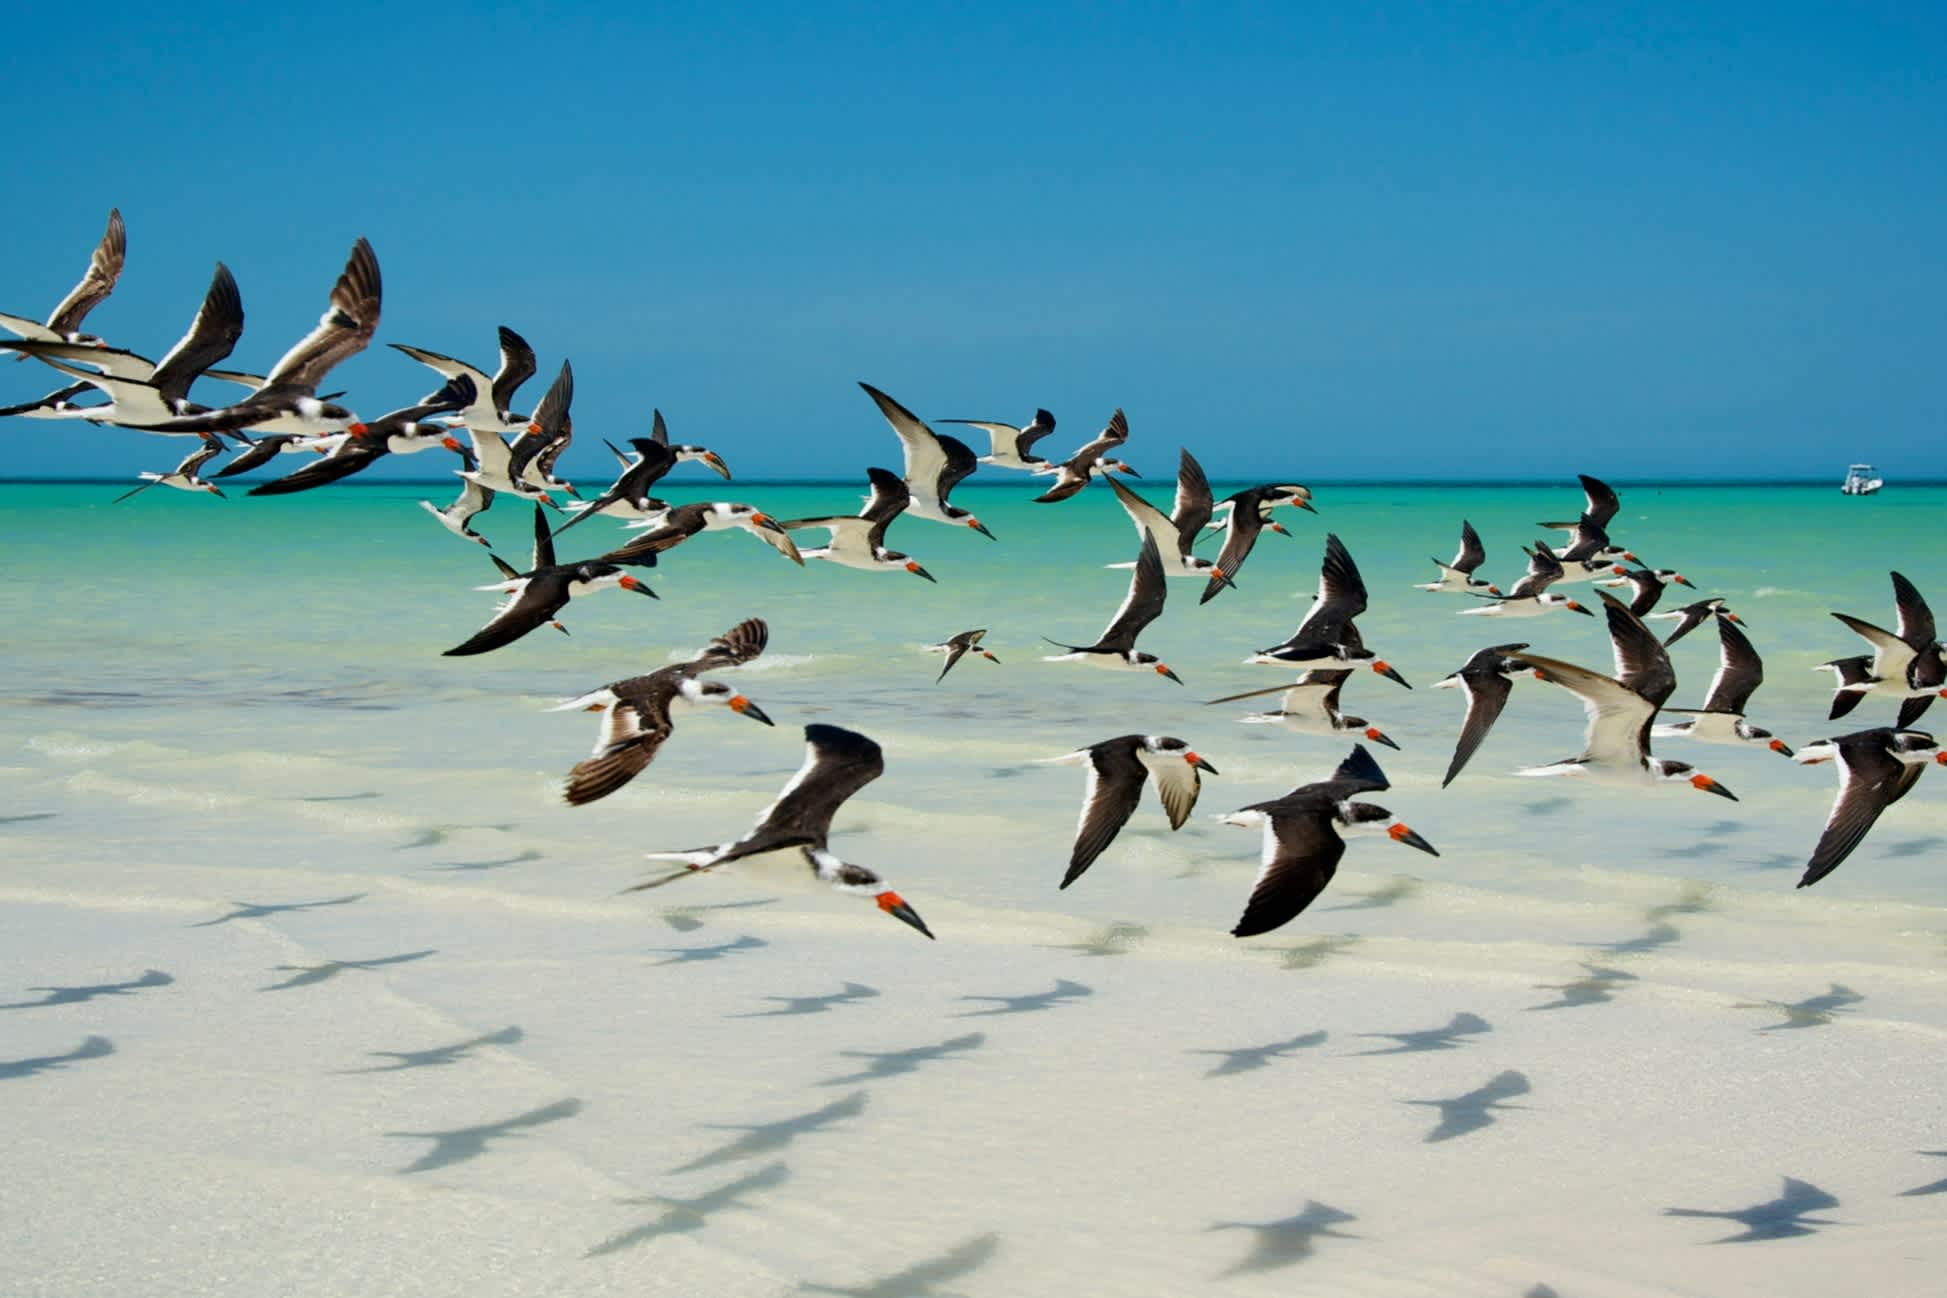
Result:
[241,705]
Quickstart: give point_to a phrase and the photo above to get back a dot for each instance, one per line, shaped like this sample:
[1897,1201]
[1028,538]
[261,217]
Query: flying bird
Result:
[959,646]
[935,464]
[792,831]
[1012,447]
[1721,720]
[1116,646]
[1485,678]
[859,541]
[1327,638]
[1072,474]
[1175,532]
[1877,767]
[1458,575]
[63,324]
[1304,839]
[638,713]
[1117,770]
[535,596]
[1311,707]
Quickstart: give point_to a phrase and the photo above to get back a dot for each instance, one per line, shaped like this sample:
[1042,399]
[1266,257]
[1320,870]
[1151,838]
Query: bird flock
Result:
[471,415]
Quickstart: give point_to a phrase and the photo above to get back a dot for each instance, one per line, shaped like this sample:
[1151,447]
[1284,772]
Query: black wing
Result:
[1869,782]
[345,328]
[535,606]
[1485,682]
[1302,853]
[838,763]
[104,268]
[549,424]
[1916,619]
[1115,785]
[212,336]
[1472,553]
[738,645]
[1193,505]
[1739,671]
[353,454]
[1142,605]
[516,367]
[1641,663]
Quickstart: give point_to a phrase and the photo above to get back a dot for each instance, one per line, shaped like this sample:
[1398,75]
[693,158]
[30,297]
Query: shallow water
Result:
[212,703]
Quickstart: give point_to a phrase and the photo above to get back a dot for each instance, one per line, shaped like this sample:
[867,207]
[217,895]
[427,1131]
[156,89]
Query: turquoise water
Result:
[241,635]
[216,709]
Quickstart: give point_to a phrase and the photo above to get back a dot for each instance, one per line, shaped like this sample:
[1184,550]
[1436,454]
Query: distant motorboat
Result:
[1861,480]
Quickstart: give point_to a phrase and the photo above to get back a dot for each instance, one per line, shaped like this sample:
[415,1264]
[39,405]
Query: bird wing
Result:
[1599,501]
[352,455]
[1194,504]
[1341,593]
[1239,537]
[1302,850]
[1544,569]
[1739,671]
[343,330]
[1115,785]
[733,648]
[1618,716]
[1178,784]
[1141,606]
[548,425]
[516,367]
[1150,521]
[1916,619]
[1869,782]
[104,268]
[1471,553]
[838,763]
[212,336]
[926,458]
[1642,664]
[539,600]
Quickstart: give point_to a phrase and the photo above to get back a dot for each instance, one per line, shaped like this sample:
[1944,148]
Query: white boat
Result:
[1861,480]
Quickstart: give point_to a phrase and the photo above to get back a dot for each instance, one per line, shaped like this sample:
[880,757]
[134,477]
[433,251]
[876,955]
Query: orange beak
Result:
[738,703]
[357,430]
[1941,757]
[452,444]
[533,428]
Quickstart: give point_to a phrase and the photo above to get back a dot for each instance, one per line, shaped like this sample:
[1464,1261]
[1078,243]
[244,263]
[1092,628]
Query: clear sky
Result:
[1310,242]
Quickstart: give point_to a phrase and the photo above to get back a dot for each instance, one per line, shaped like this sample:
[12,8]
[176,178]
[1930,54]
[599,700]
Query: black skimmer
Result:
[1073,473]
[399,432]
[97,282]
[535,596]
[1012,447]
[1459,575]
[457,517]
[288,401]
[1486,680]
[685,521]
[859,540]
[1621,709]
[1117,769]
[531,456]
[1250,513]
[1116,646]
[1530,596]
[957,647]
[1311,707]
[1589,552]
[628,496]
[791,832]
[1691,616]
[1304,839]
[1876,768]
[1646,587]
[1327,638]
[1176,531]
[491,407]
[141,391]
[1905,664]
[1739,673]
[638,712]
[935,464]
[184,477]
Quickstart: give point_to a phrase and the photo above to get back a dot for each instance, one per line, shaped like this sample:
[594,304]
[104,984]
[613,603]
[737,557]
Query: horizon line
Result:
[49,480]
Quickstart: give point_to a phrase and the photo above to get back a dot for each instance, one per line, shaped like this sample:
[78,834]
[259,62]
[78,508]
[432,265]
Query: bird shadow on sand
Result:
[1309,954]
[681,1216]
[1063,990]
[1289,1241]
[1936,1187]
[1655,936]
[788,1006]
[1777,861]
[1390,893]
[1812,1012]
[1547,806]
[894,1063]
[1780,1218]
[1541,1291]
[1695,899]
[688,919]
[1465,1114]
[1448,1037]
[460,1144]
[920,1280]
[434,835]
[263,910]
[306,975]
[437,1056]
[1688,851]
[27,816]
[1114,939]
[770,1137]
[696,954]
[1597,987]
[1907,847]
[1249,1058]
[81,995]
[519,858]
[90,1048]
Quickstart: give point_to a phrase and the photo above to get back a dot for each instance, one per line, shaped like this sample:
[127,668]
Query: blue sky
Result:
[1342,241]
